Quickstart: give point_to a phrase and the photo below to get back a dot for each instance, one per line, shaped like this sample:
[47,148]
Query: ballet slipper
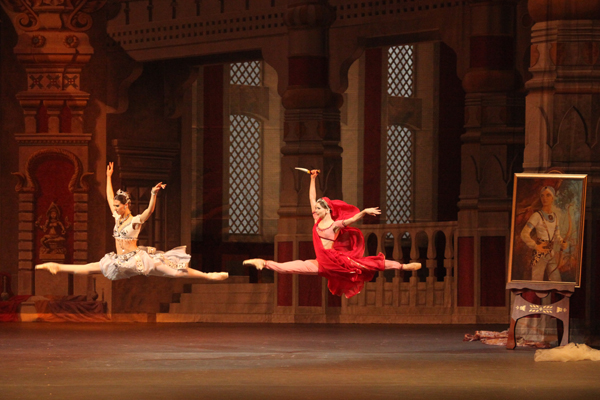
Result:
[217,276]
[411,266]
[258,263]
[51,267]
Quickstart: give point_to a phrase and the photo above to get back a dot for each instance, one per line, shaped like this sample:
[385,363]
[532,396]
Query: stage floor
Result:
[271,361]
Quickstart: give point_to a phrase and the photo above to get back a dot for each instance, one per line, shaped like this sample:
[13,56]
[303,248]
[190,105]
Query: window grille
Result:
[401,71]
[244,175]
[246,73]
[399,174]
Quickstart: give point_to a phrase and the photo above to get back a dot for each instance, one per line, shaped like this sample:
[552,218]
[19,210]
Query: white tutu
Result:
[145,261]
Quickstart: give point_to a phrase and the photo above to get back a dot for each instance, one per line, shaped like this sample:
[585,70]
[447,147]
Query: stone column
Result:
[53,48]
[563,113]
[490,146]
[311,136]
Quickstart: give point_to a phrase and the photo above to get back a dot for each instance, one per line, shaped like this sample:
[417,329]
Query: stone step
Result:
[227,297]
[230,280]
[214,308]
[233,288]
[215,318]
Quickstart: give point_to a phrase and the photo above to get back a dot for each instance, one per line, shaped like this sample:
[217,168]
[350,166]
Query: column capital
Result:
[309,14]
[553,10]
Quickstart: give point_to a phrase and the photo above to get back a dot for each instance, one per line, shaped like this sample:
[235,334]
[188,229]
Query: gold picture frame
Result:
[546,237]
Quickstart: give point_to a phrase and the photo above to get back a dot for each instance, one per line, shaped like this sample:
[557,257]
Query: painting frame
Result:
[547,228]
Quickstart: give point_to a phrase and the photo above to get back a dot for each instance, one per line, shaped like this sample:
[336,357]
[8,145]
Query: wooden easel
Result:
[522,308]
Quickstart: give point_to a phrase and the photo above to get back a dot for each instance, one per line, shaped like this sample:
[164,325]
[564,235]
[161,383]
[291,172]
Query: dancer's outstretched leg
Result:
[83,269]
[191,273]
[308,267]
[390,264]
[211,276]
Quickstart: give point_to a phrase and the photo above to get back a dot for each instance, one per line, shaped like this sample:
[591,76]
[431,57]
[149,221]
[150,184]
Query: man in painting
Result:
[545,224]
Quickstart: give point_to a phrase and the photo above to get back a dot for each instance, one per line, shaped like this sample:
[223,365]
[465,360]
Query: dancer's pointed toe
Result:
[258,263]
[411,266]
[218,276]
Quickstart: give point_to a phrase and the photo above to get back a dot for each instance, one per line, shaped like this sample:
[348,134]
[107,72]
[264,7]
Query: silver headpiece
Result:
[124,194]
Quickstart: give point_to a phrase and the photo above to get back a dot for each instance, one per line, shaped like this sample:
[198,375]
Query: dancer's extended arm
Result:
[146,214]
[356,217]
[110,194]
[312,191]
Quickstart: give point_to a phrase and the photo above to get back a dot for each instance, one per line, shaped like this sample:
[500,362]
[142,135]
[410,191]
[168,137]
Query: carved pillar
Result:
[53,48]
[311,135]
[563,120]
[490,146]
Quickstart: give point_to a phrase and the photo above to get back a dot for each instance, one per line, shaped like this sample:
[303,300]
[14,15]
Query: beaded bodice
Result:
[128,230]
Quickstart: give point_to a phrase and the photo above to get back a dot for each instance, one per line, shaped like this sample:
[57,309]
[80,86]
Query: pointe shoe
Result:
[411,267]
[217,276]
[51,267]
[258,263]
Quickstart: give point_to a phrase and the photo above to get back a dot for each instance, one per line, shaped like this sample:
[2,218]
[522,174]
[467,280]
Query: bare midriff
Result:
[125,246]
[327,244]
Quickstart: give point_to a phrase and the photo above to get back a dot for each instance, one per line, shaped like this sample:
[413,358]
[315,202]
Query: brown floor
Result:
[270,361]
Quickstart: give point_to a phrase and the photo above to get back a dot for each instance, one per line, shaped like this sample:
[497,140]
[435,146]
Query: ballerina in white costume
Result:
[129,259]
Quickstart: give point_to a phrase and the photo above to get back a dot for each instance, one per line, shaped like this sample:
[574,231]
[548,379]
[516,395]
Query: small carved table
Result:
[522,308]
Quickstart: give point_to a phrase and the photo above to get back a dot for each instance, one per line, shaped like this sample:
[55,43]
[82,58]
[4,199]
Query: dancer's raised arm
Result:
[312,191]
[356,217]
[110,194]
[146,214]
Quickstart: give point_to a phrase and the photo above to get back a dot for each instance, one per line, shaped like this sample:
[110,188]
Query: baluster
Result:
[448,264]
[414,279]
[396,281]
[380,281]
[431,264]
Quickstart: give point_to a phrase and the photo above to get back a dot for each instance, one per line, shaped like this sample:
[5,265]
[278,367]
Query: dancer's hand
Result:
[51,267]
[314,173]
[158,186]
[109,170]
[372,211]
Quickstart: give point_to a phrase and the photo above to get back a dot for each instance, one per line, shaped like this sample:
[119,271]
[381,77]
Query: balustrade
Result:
[422,296]
[431,244]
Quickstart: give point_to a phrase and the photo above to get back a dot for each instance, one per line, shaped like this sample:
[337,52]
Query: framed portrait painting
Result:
[547,228]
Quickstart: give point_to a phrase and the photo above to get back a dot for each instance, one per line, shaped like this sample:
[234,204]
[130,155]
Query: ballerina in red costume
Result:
[338,246]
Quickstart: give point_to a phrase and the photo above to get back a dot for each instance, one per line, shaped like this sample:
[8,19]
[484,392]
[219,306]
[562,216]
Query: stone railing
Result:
[423,293]
[423,296]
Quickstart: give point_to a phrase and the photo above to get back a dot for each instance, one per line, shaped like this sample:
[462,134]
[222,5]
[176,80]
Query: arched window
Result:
[401,71]
[399,164]
[246,73]
[400,139]
[244,175]
[245,158]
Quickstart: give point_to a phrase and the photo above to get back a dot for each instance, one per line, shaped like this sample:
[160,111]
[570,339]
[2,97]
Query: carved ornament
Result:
[38,41]
[78,182]
[33,15]
[53,243]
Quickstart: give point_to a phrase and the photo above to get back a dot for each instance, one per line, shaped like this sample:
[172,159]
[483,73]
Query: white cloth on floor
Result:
[570,352]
